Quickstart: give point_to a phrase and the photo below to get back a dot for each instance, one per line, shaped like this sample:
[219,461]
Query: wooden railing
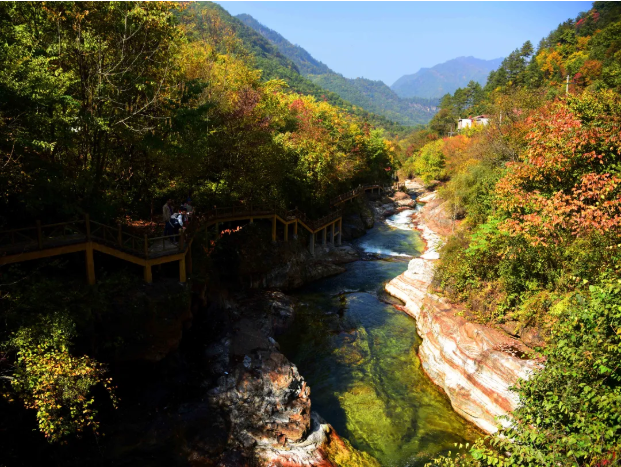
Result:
[345,196]
[64,233]
[41,237]
[357,191]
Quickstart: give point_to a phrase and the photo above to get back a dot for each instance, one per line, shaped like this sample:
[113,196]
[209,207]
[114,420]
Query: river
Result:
[359,356]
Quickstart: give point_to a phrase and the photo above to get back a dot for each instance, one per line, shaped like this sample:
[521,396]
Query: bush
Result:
[52,381]
[570,410]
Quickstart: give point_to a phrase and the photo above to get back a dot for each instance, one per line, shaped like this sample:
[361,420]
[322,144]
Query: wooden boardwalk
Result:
[44,241]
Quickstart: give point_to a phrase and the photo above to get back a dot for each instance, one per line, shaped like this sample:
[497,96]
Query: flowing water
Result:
[359,356]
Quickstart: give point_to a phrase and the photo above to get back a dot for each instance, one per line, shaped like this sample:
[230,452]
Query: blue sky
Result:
[386,40]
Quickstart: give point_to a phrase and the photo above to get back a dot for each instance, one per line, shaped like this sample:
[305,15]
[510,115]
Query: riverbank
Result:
[358,353]
[475,365]
[258,393]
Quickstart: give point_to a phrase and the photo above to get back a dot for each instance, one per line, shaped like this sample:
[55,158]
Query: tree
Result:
[429,164]
[567,183]
[91,81]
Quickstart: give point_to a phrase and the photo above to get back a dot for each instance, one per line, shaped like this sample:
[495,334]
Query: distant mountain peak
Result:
[445,77]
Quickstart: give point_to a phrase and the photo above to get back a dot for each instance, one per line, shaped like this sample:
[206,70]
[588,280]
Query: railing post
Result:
[148,277]
[39,235]
[340,237]
[120,236]
[146,248]
[87,226]
[188,259]
[182,277]
[90,264]
[311,244]
[295,229]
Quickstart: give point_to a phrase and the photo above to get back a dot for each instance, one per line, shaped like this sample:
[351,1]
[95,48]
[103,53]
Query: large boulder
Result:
[353,227]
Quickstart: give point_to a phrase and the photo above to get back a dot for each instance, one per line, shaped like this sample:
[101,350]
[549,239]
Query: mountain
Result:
[373,96]
[305,61]
[445,78]
[275,65]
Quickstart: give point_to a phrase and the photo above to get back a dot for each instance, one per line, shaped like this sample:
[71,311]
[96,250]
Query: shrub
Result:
[52,381]
[570,410]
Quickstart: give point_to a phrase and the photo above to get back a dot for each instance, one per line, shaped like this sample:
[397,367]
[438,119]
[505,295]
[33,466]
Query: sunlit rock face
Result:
[264,399]
[474,364]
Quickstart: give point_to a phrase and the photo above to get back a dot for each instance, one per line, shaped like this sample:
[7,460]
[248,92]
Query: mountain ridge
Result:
[373,96]
[275,65]
[445,78]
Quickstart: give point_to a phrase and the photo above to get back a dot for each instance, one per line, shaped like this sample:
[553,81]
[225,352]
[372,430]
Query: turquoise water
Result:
[358,354]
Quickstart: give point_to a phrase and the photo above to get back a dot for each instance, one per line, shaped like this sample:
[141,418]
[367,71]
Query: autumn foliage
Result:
[566,184]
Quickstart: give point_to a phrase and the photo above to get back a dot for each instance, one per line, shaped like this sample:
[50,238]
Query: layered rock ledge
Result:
[474,364]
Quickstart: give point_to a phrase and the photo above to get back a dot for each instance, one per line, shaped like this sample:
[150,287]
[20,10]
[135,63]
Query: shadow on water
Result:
[359,355]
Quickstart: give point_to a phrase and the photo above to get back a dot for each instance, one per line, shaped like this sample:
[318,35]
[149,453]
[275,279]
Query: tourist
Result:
[189,208]
[177,221]
[167,212]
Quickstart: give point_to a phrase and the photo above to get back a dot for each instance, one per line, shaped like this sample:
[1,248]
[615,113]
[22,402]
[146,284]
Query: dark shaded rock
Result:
[387,210]
[531,336]
[146,324]
[353,227]
[248,338]
[511,327]
[296,272]
[366,215]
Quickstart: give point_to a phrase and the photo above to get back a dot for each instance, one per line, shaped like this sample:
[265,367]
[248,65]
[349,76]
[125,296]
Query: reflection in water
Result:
[358,354]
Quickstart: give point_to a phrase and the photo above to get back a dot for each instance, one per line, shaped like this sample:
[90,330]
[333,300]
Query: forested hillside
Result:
[273,64]
[434,82]
[306,63]
[535,197]
[373,96]
[113,108]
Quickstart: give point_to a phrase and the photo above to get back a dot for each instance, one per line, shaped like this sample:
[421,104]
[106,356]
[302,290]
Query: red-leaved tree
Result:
[567,183]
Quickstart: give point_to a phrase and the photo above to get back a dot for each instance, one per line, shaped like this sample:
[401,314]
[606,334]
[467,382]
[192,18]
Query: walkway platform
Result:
[44,241]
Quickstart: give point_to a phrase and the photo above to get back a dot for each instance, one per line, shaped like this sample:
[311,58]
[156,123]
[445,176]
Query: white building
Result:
[463,123]
[481,119]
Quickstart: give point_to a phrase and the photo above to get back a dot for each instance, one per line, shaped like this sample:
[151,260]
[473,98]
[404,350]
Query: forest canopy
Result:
[108,108]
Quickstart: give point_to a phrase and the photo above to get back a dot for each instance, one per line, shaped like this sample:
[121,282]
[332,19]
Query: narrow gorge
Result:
[381,378]
[474,364]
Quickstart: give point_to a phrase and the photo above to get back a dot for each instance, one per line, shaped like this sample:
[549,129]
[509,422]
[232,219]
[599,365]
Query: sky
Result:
[386,40]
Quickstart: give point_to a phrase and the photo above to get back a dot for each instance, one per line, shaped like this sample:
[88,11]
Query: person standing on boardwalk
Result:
[176,222]
[167,212]
[188,206]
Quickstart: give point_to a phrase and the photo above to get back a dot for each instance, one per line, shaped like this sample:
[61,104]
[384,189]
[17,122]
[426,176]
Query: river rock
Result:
[511,327]
[475,365]
[532,337]
[301,267]
[353,227]
[367,215]
[267,399]
[386,210]
[403,199]
[264,400]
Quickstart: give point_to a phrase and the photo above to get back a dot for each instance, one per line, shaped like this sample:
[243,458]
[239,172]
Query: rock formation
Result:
[263,398]
[475,365]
